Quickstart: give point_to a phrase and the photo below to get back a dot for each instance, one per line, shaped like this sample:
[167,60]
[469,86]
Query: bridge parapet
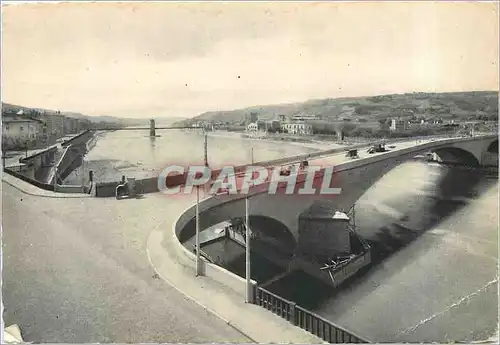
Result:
[80,139]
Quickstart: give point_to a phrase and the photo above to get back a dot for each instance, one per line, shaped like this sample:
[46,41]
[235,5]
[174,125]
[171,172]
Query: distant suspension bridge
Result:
[152,128]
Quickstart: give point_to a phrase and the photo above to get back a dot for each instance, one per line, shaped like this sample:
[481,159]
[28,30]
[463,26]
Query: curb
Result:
[182,257]
[54,196]
[182,292]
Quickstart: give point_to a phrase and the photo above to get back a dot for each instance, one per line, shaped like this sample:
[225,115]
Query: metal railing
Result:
[305,319]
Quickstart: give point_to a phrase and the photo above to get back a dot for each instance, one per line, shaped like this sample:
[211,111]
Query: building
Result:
[252,117]
[55,125]
[282,118]
[305,117]
[274,125]
[262,125]
[398,125]
[19,130]
[300,128]
[71,125]
[253,127]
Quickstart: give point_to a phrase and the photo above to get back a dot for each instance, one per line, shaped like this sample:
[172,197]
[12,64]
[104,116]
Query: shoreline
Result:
[110,170]
[312,144]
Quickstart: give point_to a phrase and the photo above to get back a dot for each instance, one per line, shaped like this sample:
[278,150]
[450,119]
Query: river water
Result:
[135,154]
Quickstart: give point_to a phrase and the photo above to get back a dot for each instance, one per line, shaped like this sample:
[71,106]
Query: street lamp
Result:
[198,258]
[248,294]
[205,149]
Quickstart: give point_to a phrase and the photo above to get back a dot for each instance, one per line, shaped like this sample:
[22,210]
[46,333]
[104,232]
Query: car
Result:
[353,154]
[222,191]
[377,148]
[285,171]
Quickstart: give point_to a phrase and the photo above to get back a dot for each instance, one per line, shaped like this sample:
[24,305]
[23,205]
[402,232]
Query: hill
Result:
[10,108]
[165,121]
[459,105]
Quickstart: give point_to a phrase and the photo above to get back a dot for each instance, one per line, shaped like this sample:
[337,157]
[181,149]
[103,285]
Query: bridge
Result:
[152,128]
[354,177]
[143,128]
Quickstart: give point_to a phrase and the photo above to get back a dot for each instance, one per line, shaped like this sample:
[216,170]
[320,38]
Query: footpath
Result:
[174,267]
[255,322]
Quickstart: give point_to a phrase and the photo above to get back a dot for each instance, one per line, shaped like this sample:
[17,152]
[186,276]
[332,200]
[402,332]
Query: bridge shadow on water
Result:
[451,193]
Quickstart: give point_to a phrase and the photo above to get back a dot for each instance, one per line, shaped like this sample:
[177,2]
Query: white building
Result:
[305,117]
[253,127]
[19,129]
[399,125]
[300,128]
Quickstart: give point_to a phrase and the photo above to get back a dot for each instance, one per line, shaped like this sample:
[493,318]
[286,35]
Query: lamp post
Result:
[205,148]
[248,294]
[3,157]
[198,259]
[83,169]
[55,178]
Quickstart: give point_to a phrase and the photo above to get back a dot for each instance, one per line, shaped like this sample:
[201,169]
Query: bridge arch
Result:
[493,147]
[456,155]
[270,229]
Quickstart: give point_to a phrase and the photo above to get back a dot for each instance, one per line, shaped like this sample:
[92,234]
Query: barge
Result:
[329,248]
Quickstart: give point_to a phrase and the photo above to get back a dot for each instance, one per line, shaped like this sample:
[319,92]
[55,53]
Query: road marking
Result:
[451,306]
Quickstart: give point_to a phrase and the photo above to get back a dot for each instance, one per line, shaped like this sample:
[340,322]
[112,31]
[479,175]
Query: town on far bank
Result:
[405,115]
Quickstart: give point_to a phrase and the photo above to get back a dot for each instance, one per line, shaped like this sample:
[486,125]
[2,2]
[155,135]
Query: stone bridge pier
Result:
[152,128]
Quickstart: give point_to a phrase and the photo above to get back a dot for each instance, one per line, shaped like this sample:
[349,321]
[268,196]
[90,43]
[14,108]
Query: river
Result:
[135,154]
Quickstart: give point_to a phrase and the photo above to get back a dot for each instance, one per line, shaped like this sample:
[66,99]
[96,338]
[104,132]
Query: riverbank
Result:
[296,141]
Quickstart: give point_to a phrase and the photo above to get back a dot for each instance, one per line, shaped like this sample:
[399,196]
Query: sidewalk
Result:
[28,188]
[253,321]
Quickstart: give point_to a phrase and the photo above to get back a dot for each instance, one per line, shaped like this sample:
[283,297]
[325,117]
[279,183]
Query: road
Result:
[333,160]
[76,271]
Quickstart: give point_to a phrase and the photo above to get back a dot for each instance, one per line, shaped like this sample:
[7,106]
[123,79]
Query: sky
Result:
[182,59]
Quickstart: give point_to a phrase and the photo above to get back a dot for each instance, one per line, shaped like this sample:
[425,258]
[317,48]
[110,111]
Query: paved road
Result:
[69,276]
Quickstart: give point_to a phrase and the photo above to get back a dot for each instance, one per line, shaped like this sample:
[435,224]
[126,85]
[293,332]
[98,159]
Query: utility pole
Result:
[206,150]
[83,170]
[354,216]
[3,158]
[252,155]
[55,178]
[248,294]
[198,259]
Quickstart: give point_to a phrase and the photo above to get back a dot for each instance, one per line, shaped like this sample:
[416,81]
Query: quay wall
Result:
[44,186]
[80,139]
